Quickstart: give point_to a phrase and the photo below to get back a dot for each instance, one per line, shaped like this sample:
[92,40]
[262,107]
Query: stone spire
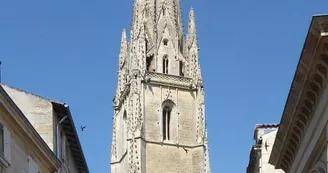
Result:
[123,65]
[152,12]
[191,47]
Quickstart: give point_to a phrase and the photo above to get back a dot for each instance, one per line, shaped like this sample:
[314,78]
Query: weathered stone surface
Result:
[160,88]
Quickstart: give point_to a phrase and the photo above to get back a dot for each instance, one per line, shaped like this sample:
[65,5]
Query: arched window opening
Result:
[124,116]
[166,122]
[165,65]
[181,68]
[165,42]
[150,63]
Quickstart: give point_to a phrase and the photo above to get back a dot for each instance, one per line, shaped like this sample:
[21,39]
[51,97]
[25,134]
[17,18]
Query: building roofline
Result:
[29,129]
[31,93]
[314,33]
[62,109]
[264,126]
[272,125]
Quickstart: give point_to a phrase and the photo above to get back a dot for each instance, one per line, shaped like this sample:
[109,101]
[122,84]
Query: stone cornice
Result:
[169,80]
[169,143]
[305,90]
[45,154]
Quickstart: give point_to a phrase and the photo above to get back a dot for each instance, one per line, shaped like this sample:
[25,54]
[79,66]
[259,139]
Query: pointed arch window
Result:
[165,64]
[166,121]
[150,63]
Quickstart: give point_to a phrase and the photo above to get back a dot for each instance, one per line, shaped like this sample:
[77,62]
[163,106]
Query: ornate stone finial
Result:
[192,34]
[124,49]
[192,23]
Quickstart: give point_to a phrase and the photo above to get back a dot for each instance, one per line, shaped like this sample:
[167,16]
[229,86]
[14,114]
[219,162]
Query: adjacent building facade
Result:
[264,136]
[159,110]
[301,141]
[52,120]
[22,150]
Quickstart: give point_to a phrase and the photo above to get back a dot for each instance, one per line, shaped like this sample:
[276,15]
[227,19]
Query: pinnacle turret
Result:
[192,34]
[123,49]
[192,23]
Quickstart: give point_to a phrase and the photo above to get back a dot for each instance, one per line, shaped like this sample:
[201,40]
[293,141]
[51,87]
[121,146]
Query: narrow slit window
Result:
[124,130]
[181,68]
[165,65]
[166,122]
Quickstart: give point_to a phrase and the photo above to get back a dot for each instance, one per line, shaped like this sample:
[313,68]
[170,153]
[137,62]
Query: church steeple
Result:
[159,108]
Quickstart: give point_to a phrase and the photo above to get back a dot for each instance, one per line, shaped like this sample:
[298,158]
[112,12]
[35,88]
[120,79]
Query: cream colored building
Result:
[49,117]
[301,141]
[264,136]
[159,116]
[22,150]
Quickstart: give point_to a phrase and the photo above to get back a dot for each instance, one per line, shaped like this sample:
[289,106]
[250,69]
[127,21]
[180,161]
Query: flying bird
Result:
[83,127]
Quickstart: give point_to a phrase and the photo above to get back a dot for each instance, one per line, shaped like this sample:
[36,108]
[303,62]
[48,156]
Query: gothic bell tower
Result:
[159,111]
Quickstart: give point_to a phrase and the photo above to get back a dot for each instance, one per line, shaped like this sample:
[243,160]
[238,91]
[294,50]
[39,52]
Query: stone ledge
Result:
[168,80]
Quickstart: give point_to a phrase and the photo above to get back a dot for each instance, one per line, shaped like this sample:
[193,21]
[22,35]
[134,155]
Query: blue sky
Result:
[68,51]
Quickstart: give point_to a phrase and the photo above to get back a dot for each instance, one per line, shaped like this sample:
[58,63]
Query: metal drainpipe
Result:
[58,136]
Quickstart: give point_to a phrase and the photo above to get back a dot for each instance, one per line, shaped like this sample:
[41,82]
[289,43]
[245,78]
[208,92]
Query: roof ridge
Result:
[29,92]
[266,125]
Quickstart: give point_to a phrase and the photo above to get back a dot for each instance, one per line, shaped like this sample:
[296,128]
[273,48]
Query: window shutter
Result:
[32,166]
[7,144]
